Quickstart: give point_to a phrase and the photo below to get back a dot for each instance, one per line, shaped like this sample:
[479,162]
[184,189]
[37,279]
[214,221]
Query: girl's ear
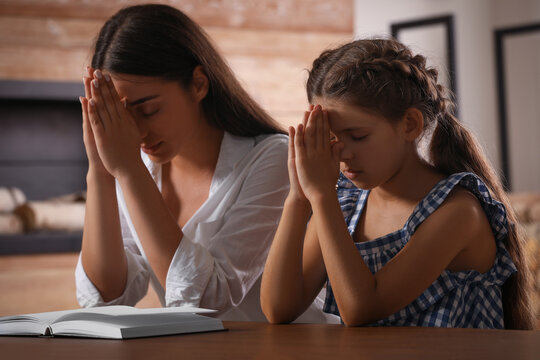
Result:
[199,83]
[413,124]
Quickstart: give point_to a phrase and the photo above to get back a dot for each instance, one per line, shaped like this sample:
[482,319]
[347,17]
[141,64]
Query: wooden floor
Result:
[36,283]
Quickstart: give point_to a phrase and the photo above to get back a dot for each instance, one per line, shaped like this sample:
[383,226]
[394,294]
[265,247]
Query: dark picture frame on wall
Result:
[399,31]
[502,54]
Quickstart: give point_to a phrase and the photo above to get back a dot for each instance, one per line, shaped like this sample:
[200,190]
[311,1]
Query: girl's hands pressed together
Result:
[114,129]
[317,156]
[295,191]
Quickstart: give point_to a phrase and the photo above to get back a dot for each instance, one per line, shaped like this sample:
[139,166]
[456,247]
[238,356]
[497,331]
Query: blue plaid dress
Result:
[454,299]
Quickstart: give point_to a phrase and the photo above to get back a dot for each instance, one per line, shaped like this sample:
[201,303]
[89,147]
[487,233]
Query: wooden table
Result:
[245,340]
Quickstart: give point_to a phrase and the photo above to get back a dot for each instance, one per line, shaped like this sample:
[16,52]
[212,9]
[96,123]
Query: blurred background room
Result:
[487,52]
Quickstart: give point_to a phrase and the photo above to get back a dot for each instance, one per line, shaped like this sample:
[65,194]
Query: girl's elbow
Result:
[357,317]
[276,318]
[275,314]
[352,321]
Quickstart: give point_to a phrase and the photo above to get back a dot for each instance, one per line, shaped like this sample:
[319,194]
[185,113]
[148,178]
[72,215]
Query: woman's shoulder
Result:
[277,140]
[271,145]
[250,151]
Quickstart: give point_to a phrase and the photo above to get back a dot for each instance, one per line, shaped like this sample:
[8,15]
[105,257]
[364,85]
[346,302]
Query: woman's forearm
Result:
[102,252]
[282,292]
[156,228]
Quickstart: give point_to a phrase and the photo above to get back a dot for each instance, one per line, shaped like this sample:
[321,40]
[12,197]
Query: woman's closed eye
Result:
[147,111]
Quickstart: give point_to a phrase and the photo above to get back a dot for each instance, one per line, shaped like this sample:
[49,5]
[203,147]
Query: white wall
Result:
[475,22]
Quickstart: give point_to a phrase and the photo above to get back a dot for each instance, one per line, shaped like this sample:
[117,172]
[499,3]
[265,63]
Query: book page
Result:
[120,310]
[133,325]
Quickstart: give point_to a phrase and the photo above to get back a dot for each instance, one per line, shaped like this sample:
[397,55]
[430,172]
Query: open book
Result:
[111,322]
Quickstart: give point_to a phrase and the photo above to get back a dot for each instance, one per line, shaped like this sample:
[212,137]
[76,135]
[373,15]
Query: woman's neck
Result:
[201,154]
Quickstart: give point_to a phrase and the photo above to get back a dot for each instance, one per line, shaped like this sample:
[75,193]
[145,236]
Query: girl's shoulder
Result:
[464,195]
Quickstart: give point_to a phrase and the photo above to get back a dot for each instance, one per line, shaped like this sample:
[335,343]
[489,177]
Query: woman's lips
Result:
[150,150]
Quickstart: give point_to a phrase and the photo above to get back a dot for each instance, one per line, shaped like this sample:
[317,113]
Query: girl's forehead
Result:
[343,116]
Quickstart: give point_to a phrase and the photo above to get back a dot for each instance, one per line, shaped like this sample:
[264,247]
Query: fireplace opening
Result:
[43,166]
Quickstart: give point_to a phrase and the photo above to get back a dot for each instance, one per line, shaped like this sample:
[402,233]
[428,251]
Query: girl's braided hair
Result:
[384,76]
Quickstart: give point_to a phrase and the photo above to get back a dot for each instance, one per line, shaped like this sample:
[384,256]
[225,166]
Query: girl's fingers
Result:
[299,141]
[319,128]
[325,130]
[291,142]
[306,117]
[310,140]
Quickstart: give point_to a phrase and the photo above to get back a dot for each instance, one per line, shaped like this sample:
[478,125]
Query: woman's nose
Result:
[142,127]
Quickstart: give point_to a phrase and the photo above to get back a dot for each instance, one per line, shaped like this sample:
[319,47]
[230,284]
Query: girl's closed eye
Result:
[358,137]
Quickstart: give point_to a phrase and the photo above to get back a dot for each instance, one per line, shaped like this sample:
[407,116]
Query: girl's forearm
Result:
[282,281]
[102,252]
[352,282]
[156,228]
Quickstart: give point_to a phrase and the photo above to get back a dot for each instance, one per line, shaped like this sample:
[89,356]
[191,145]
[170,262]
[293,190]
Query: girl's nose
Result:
[346,154]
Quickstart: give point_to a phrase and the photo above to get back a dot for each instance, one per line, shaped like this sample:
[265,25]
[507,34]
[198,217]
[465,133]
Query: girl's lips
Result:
[151,149]
[351,174]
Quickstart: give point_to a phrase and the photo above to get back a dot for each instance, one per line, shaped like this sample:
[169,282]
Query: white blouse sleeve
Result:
[137,282]
[225,256]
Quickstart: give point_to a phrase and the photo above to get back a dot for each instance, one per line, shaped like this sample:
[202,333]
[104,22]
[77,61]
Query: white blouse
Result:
[219,262]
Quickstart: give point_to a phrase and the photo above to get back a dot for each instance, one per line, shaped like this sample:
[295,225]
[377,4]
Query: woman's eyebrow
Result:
[141,100]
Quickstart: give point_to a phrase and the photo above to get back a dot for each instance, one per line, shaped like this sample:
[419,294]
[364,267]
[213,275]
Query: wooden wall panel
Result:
[269,44]
[298,15]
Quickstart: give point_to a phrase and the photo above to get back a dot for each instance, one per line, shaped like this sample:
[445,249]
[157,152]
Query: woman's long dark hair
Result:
[384,76]
[161,41]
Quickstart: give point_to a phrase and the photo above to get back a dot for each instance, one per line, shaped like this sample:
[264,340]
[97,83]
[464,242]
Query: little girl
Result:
[398,239]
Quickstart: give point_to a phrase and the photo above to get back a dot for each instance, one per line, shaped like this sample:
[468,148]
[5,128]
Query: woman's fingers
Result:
[98,102]
[86,80]
[109,96]
[93,116]
[84,108]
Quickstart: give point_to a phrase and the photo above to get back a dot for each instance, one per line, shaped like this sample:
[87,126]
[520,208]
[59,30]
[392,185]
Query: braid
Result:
[384,76]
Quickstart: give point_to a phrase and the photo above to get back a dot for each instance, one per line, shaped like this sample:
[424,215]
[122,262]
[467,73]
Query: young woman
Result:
[400,240]
[194,213]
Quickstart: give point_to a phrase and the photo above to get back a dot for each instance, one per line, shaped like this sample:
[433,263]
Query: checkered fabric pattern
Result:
[455,299]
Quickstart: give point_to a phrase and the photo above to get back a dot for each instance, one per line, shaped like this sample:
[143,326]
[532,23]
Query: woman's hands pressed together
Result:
[111,136]
[315,156]
[94,162]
